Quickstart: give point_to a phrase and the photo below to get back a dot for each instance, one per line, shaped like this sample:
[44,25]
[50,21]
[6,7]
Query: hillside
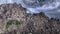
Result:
[19,22]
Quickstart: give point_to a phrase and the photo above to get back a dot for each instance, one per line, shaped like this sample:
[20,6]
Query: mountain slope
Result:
[37,23]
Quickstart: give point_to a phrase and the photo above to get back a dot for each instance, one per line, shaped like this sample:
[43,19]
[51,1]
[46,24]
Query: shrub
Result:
[13,22]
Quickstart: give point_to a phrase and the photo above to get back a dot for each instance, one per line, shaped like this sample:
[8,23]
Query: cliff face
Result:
[32,24]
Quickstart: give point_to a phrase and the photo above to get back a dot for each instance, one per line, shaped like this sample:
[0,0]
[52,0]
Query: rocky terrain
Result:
[31,23]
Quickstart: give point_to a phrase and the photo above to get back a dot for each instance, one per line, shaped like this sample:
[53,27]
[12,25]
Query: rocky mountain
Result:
[14,16]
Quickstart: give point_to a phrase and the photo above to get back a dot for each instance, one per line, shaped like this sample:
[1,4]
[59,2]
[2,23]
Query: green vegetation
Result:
[13,22]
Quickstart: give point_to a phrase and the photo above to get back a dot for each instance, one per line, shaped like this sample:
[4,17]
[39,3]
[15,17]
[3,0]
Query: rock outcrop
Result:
[11,12]
[32,23]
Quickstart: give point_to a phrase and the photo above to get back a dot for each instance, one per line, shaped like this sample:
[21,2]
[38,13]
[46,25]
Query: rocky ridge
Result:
[32,23]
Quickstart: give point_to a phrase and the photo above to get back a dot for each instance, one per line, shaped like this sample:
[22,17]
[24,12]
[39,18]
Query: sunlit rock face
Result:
[11,12]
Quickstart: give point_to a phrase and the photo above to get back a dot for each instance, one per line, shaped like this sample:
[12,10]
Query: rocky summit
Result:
[15,20]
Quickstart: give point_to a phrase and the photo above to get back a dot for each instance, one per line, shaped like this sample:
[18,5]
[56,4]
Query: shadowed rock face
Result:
[33,23]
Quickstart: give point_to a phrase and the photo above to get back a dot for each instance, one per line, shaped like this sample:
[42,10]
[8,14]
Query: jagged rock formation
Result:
[33,24]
